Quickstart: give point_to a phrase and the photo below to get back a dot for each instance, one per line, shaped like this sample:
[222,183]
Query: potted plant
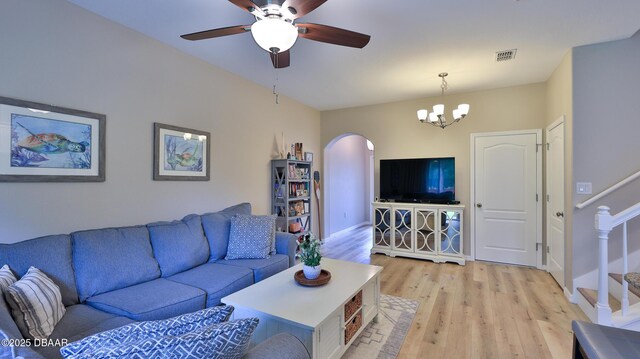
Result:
[310,255]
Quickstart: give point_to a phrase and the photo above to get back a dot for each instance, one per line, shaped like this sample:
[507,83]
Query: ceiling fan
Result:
[276,29]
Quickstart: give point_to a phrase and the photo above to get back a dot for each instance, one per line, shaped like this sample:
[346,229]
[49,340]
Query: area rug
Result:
[384,339]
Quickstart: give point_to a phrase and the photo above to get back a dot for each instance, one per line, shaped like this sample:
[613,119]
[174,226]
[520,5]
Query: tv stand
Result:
[411,230]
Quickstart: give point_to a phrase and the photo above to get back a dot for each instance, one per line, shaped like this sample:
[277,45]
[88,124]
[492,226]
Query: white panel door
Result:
[506,180]
[555,201]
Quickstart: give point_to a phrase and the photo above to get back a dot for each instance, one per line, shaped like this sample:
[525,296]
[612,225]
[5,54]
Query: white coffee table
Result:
[326,319]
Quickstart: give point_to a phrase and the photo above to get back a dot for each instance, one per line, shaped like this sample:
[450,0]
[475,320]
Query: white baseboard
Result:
[570,296]
[470,258]
[348,229]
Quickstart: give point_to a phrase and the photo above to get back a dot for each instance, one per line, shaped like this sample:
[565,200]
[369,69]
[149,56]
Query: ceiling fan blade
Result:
[281,59]
[301,7]
[248,5]
[224,31]
[333,35]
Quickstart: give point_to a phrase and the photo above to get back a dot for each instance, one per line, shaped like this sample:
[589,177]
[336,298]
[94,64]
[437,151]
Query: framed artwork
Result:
[180,154]
[44,143]
[308,156]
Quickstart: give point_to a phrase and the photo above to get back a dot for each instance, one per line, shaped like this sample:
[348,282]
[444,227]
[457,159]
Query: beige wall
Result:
[605,140]
[56,53]
[347,199]
[396,133]
[560,103]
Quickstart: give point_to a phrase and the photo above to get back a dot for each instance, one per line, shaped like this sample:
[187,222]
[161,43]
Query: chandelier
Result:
[437,117]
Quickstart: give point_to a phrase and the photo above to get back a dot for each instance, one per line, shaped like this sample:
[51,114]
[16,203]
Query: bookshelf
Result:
[291,191]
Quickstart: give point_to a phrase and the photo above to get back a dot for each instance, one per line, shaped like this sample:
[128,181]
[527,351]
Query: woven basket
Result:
[353,305]
[352,327]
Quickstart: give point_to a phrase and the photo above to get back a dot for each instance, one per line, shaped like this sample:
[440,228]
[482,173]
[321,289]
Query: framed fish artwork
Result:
[180,154]
[45,143]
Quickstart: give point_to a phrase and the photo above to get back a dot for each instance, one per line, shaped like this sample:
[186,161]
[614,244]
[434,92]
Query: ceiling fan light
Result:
[464,109]
[274,35]
[422,115]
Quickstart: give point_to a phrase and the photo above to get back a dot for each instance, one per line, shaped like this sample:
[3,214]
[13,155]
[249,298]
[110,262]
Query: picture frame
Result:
[308,156]
[46,143]
[180,154]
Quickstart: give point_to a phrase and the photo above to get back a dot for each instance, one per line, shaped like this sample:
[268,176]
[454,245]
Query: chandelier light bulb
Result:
[422,115]
[464,109]
[274,35]
[433,117]
[457,114]
[438,109]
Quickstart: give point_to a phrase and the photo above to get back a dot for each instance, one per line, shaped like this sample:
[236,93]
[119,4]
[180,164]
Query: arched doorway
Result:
[348,183]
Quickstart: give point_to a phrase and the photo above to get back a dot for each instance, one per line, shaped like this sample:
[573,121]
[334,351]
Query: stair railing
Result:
[631,178]
[605,222]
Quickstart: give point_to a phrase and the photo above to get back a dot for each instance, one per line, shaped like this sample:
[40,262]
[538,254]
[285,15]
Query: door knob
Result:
[479,205]
[559,214]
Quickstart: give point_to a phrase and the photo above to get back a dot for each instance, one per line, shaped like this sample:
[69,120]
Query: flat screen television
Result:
[425,180]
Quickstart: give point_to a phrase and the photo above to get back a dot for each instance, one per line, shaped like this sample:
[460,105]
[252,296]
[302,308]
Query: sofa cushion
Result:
[224,340]
[179,245]
[137,331]
[217,226]
[112,258]
[36,304]
[7,324]
[262,268]
[51,254]
[81,318]
[216,280]
[78,322]
[251,237]
[157,299]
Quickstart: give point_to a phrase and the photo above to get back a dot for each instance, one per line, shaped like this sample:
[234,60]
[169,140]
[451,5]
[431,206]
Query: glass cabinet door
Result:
[450,233]
[382,227]
[426,229]
[402,229]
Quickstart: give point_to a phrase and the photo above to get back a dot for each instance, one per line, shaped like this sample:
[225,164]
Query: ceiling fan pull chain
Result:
[277,95]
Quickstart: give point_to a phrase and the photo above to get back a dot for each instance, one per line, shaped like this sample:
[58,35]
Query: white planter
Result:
[311,272]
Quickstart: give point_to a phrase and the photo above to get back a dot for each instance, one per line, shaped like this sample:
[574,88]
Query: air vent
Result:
[506,55]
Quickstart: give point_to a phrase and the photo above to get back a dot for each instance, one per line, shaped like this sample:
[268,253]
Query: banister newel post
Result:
[603,224]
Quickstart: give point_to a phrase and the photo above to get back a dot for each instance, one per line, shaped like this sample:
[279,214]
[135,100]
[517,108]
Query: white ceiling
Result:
[411,42]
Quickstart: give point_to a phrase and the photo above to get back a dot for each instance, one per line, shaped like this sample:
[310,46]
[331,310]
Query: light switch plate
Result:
[583,188]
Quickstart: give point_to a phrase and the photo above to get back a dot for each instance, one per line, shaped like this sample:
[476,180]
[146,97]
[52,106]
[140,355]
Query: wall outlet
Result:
[583,188]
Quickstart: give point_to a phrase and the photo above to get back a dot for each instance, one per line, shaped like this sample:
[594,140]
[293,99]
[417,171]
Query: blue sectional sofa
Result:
[115,276]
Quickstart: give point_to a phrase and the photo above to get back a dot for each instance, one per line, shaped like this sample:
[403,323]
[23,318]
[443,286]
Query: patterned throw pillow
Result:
[36,304]
[225,340]
[134,332]
[251,237]
[6,278]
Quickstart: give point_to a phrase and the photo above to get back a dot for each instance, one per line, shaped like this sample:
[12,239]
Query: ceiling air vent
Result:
[506,55]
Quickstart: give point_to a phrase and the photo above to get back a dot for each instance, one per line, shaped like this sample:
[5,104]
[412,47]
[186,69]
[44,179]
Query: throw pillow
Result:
[36,304]
[251,237]
[6,278]
[134,332]
[224,340]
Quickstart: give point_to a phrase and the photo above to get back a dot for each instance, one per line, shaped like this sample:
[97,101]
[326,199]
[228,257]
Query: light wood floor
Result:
[480,310]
